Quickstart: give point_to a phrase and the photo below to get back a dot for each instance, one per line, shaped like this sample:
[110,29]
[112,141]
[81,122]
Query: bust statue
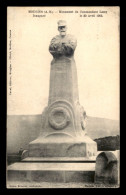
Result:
[62,44]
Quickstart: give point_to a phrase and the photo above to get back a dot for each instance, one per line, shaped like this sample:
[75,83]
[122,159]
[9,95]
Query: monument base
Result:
[47,162]
[51,172]
[78,147]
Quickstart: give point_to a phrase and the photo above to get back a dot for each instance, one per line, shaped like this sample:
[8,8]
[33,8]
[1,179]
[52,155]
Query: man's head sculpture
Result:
[62,44]
[62,27]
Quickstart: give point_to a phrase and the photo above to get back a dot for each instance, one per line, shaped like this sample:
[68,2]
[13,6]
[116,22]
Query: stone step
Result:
[60,159]
[51,172]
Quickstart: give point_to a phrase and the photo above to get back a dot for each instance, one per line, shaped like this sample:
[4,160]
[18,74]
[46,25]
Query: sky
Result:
[96,56]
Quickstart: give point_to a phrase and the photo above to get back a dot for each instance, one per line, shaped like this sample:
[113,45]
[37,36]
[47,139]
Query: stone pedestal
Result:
[58,146]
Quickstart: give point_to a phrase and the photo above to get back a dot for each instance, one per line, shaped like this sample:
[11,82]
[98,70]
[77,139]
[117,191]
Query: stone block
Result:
[78,148]
[51,172]
[106,170]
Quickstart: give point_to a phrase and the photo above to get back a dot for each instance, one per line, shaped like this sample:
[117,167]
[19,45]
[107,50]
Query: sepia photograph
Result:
[63,120]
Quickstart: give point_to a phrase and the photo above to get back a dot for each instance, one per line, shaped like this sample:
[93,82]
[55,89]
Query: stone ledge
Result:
[22,166]
[60,159]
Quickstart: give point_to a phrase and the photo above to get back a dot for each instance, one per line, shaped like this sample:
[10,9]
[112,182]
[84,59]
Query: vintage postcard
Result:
[63,97]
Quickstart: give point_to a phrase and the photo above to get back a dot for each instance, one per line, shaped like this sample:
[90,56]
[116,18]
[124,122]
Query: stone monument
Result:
[63,151]
[63,131]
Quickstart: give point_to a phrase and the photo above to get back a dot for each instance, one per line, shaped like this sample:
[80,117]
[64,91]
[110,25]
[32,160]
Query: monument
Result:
[63,131]
[63,151]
